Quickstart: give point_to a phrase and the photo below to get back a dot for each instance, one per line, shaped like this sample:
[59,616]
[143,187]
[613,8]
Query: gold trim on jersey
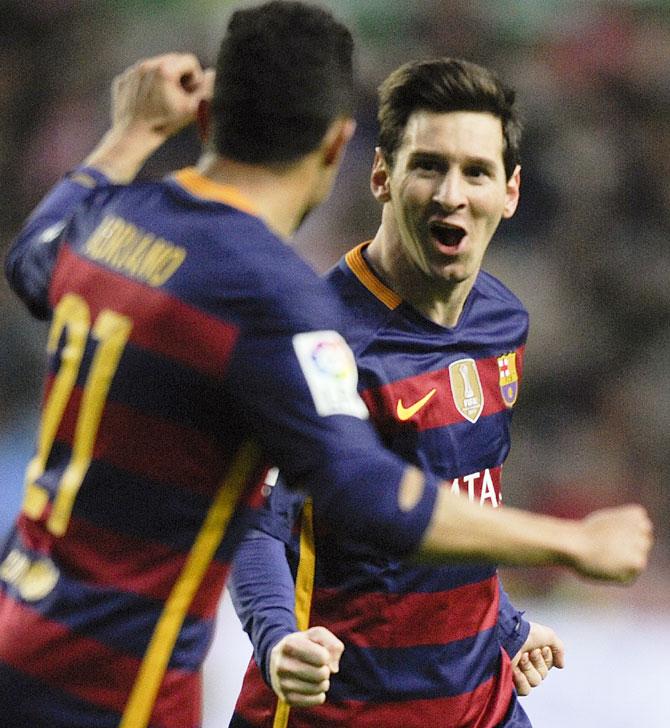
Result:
[304,589]
[201,186]
[142,698]
[356,262]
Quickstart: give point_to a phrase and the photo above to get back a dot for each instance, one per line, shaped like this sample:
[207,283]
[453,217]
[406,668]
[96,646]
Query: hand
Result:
[615,543]
[151,101]
[161,94]
[301,664]
[541,651]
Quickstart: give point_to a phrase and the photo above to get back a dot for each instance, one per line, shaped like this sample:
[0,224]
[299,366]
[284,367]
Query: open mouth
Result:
[449,235]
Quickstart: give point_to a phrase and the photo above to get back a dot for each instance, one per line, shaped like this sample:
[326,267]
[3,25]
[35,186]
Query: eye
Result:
[477,171]
[429,165]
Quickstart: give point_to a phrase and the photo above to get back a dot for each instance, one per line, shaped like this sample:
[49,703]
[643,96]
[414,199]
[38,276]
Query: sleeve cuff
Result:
[513,639]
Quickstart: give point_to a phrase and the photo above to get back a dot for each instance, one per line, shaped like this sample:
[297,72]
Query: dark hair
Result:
[443,85]
[283,74]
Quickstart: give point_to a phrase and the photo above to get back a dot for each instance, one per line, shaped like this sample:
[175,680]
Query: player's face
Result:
[448,191]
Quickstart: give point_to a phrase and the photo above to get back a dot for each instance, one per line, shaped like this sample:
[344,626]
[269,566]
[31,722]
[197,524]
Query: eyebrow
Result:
[421,155]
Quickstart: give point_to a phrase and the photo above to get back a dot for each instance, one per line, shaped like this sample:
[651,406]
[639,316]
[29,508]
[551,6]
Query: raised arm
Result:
[151,101]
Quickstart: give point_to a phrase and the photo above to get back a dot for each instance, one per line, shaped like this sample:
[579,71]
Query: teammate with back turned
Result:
[182,356]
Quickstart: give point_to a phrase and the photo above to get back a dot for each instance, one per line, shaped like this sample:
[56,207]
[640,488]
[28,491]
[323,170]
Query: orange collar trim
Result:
[359,267]
[201,186]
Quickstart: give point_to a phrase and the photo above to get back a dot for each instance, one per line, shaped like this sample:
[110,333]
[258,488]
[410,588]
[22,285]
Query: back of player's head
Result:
[283,74]
[445,85]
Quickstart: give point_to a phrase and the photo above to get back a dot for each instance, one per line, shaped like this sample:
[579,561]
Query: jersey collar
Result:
[200,186]
[356,262]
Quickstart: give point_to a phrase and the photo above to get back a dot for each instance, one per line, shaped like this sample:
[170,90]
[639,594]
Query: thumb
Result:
[207,88]
[333,645]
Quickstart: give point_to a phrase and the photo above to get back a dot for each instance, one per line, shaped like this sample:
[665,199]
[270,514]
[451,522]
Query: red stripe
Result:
[484,707]
[440,410]
[125,563]
[177,455]
[161,323]
[174,454]
[256,702]
[386,620]
[86,668]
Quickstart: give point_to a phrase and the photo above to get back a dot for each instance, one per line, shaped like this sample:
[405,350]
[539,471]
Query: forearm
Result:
[468,532]
[122,152]
[611,543]
[263,594]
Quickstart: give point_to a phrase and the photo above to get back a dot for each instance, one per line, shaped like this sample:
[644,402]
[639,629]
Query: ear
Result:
[336,139]
[512,193]
[380,177]
[203,118]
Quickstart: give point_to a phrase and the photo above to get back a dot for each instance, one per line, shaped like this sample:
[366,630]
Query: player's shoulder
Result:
[233,264]
[265,276]
[493,289]
[364,313]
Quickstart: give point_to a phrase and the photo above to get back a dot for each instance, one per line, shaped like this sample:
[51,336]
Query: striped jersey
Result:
[424,646]
[183,335]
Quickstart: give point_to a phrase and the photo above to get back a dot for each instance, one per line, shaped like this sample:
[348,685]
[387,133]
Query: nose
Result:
[450,192]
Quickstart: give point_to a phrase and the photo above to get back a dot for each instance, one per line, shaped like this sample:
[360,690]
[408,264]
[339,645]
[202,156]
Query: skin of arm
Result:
[593,546]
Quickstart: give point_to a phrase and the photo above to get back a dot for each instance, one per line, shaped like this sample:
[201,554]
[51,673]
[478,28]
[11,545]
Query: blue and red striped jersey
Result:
[424,645]
[188,346]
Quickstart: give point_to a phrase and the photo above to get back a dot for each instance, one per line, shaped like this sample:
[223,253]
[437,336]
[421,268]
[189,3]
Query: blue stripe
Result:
[359,568]
[156,386]
[29,703]
[441,451]
[415,673]
[129,504]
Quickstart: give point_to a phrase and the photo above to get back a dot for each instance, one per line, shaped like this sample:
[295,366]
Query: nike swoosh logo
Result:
[404,413]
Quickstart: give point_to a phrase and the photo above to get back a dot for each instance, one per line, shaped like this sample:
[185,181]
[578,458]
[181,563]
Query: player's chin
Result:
[451,271]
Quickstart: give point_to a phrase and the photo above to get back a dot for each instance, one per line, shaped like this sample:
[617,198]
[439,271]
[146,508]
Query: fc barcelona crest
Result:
[466,388]
[508,379]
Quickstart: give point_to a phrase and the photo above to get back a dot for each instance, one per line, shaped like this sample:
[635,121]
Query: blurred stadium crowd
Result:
[588,252]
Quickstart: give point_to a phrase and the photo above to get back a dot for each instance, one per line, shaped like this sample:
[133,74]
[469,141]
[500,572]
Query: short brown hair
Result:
[444,85]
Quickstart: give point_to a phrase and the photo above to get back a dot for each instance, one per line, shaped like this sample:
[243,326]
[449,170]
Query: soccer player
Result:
[188,347]
[439,345]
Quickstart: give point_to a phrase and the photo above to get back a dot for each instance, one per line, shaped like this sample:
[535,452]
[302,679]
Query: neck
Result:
[440,301]
[280,193]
